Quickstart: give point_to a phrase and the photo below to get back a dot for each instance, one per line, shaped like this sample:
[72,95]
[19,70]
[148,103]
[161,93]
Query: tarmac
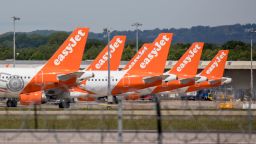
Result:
[146,137]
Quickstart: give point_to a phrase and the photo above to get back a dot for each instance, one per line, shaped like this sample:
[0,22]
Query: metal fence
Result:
[143,121]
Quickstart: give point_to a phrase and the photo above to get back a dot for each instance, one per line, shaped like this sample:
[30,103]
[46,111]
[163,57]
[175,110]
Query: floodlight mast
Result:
[137,25]
[14,44]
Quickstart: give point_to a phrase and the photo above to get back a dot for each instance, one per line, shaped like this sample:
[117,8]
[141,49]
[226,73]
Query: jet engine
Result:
[37,97]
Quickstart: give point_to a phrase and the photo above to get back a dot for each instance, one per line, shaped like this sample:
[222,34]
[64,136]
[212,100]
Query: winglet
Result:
[215,68]
[137,56]
[188,63]
[70,53]
[116,49]
[154,59]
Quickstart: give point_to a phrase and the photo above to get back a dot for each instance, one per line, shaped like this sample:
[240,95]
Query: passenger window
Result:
[116,79]
[95,79]
[99,79]
[106,79]
[92,79]
[102,80]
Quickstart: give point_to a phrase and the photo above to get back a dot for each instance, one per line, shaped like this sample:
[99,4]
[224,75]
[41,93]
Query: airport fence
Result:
[159,119]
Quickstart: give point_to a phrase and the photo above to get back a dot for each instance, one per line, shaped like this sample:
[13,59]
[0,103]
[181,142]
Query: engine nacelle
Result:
[38,97]
[132,97]
[87,98]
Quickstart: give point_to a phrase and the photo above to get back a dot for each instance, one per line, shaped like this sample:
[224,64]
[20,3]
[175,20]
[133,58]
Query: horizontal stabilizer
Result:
[226,80]
[186,80]
[169,77]
[86,75]
[212,82]
[65,77]
[151,79]
[199,78]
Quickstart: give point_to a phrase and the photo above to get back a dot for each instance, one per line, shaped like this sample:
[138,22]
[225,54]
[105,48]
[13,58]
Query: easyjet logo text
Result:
[113,48]
[154,53]
[140,53]
[69,48]
[215,64]
[188,58]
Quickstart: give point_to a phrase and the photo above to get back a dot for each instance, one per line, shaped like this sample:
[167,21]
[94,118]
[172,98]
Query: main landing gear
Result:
[64,103]
[11,103]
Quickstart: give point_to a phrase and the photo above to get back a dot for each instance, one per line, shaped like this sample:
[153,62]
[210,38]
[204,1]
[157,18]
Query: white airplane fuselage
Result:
[120,82]
[13,80]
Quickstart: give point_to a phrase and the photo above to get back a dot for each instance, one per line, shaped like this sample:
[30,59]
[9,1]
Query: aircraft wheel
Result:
[64,104]
[14,103]
[11,103]
[115,99]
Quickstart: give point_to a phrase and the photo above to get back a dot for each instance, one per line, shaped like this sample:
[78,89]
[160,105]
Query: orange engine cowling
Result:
[133,97]
[32,98]
[87,99]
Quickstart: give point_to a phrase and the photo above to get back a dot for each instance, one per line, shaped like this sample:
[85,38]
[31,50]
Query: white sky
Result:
[120,14]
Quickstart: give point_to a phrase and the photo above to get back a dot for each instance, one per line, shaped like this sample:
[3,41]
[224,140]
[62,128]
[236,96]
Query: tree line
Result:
[41,47]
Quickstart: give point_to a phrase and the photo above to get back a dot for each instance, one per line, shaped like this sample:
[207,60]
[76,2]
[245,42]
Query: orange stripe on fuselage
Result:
[171,86]
[202,85]
[131,82]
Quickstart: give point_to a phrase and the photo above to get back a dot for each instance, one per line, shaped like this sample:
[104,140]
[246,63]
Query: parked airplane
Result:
[185,70]
[210,77]
[100,63]
[29,84]
[214,73]
[146,72]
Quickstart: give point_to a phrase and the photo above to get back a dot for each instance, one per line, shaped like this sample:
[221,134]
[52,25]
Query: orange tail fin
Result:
[215,68]
[154,59]
[116,49]
[188,63]
[137,56]
[70,53]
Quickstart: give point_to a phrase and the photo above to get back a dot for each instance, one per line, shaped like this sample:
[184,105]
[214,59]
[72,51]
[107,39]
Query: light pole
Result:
[137,25]
[107,32]
[250,118]
[251,31]
[110,97]
[14,45]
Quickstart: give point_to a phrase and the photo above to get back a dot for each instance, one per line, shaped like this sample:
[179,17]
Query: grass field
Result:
[169,123]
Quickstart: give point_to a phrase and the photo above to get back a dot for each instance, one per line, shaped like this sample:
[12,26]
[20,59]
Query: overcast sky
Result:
[120,14]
